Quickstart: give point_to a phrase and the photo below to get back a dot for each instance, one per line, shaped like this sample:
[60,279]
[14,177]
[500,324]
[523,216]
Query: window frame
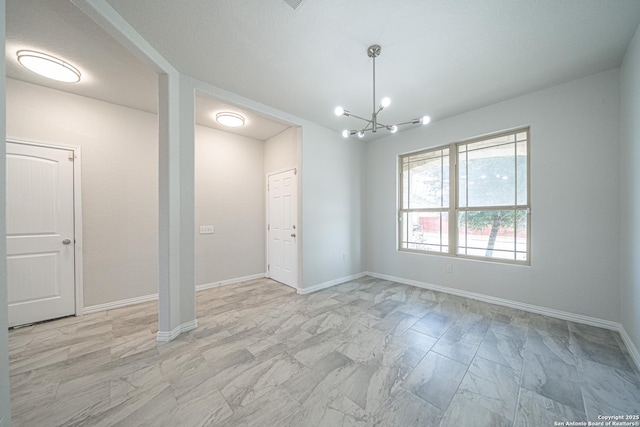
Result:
[454,209]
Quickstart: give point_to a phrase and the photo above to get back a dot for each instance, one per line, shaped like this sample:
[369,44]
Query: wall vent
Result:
[293,3]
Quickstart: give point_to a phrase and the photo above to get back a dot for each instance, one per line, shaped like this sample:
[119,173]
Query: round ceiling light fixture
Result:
[48,66]
[230,119]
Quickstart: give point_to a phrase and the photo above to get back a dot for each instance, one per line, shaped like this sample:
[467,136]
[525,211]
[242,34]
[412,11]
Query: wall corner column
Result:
[176,287]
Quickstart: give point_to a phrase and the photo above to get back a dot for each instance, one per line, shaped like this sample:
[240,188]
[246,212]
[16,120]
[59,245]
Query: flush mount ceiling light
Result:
[227,118]
[48,66]
[373,124]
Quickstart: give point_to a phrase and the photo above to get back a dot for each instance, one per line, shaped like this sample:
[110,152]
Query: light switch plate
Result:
[206,229]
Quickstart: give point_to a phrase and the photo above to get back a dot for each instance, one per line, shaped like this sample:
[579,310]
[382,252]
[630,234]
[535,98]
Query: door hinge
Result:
[268,227]
[269,267]
[71,157]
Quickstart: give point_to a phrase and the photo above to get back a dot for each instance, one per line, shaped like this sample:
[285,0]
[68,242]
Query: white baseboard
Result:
[153,297]
[171,335]
[330,283]
[633,350]
[559,314]
[229,281]
[119,304]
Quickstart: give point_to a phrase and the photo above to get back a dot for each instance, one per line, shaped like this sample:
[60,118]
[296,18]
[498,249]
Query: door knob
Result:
[293,234]
[66,242]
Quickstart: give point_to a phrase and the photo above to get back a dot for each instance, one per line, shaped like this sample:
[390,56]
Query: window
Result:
[468,199]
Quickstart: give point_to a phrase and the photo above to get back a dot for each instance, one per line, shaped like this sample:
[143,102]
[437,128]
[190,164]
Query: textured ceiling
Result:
[438,57]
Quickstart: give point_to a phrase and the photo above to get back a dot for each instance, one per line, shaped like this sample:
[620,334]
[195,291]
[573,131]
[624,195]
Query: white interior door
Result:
[40,233]
[282,228]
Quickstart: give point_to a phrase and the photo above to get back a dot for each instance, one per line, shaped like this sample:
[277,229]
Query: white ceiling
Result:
[438,57]
[255,126]
[57,27]
[109,72]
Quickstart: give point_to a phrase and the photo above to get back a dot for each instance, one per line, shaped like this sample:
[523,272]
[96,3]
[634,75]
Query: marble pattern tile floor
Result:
[365,353]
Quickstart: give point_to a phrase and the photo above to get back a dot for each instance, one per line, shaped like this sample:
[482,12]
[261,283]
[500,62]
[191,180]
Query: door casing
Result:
[77,212]
[298,238]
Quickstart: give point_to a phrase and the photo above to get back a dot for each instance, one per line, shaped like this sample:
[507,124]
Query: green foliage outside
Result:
[491,183]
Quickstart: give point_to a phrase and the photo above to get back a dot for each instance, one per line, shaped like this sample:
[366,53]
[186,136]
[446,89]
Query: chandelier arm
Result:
[410,122]
[358,117]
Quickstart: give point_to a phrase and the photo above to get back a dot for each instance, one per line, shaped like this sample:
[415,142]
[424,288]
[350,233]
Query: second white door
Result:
[282,229]
[40,233]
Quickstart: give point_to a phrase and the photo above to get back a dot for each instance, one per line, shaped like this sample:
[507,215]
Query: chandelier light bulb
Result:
[393,129]
[385,102]
[345,133]
[339,111]
[425,120]
[361,134]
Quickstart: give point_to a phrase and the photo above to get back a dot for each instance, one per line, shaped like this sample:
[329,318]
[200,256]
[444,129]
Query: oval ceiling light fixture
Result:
[227,118]
[48,66]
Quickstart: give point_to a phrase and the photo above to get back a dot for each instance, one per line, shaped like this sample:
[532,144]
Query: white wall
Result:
[332,188]
[282,151]
[574,191]
[119,183]
[230,195]
[630,190]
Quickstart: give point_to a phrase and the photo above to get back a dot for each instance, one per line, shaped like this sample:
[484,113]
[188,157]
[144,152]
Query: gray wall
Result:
[120,190]
[230,195]
[119,183]
[630,191]
[332,190]
[282,151]
[574,192]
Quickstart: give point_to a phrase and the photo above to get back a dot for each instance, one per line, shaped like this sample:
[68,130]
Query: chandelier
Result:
[372,125]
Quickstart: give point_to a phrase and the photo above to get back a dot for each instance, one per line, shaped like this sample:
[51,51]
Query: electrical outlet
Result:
[206,229]
[448,268]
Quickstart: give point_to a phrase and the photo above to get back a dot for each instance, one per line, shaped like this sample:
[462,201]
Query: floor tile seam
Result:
[233,411]
[469,373]
[614,347]
[631,371]
[581,383]
[517,374]
[462,377]
[423,400]
[574,356]
[443,355]
[11,373]
[525,347]
[549,361]
[517,409]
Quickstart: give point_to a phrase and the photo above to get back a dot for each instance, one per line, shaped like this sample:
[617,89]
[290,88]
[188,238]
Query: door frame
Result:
[77,214]
[296,172]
